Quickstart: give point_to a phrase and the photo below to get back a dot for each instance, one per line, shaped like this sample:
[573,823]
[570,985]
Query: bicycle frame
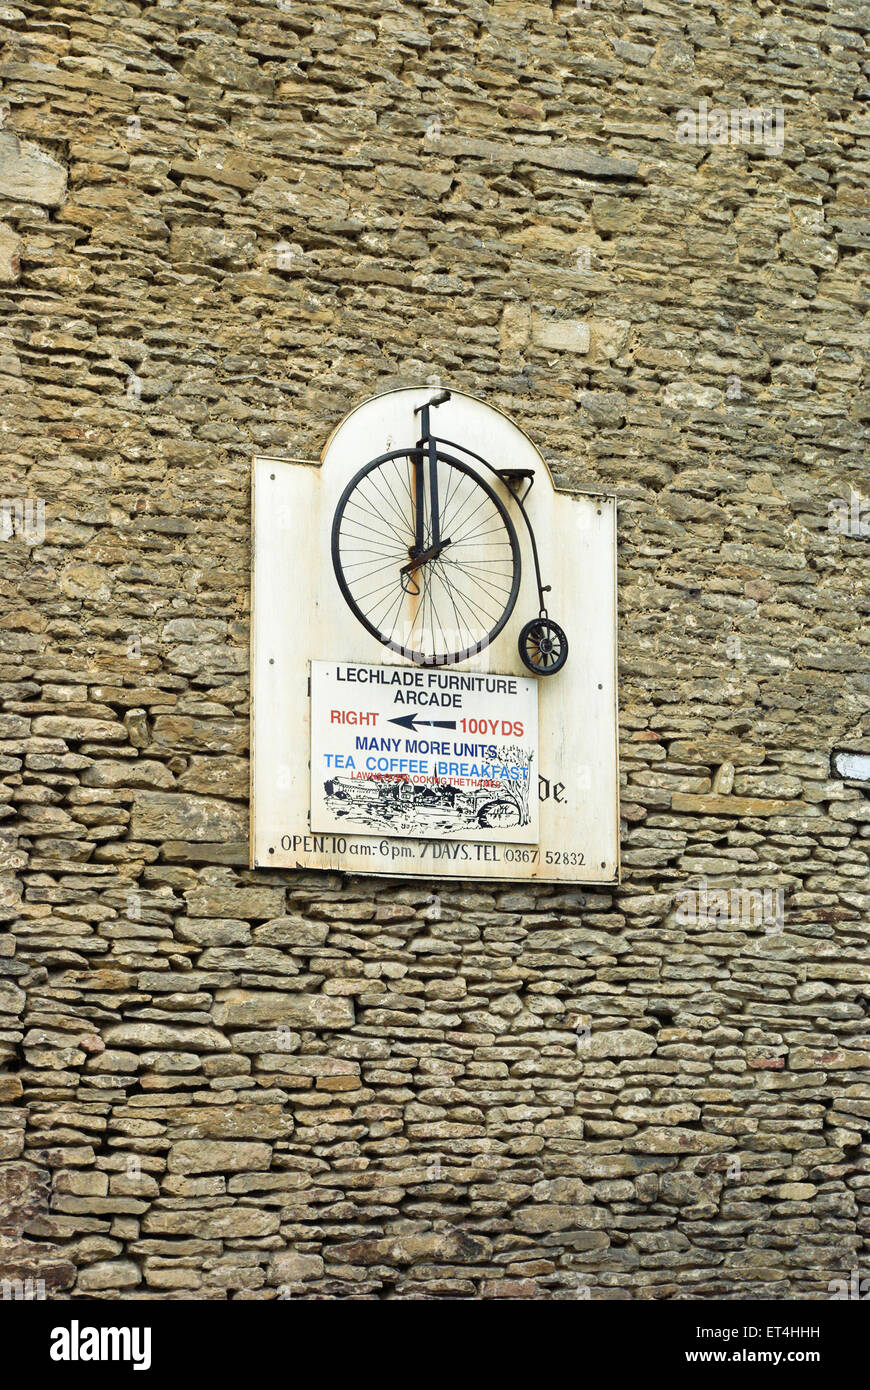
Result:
[429,442]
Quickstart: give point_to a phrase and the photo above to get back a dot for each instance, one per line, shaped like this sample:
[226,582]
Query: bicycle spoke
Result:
[374,538]
[471,604]
[469,499]
[377,514]
[395,613]
[378,505]
[399,505]
[369,573]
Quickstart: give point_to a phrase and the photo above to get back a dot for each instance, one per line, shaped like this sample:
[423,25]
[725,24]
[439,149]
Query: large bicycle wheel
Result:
[453,605]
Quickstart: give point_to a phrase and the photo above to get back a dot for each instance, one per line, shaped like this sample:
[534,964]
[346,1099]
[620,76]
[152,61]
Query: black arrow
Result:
[410,721]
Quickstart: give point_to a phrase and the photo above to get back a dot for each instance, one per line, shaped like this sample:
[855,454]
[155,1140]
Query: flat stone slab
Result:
[28,174]
[713,805]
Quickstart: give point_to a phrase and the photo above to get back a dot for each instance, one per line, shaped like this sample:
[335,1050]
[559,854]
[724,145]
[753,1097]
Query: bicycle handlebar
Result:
[436,400]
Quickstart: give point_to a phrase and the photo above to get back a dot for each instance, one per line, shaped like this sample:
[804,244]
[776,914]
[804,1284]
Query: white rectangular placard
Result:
[431,754]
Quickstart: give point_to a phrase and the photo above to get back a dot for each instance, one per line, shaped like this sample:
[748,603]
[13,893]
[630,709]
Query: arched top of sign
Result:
[413,393]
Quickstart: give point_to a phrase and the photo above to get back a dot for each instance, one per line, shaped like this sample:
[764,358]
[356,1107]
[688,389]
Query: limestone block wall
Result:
[221,226]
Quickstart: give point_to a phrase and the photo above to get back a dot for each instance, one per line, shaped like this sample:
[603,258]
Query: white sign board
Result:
[303,627]
[433,754]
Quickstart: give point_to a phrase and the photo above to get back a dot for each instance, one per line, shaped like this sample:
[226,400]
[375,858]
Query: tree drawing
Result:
[512,755]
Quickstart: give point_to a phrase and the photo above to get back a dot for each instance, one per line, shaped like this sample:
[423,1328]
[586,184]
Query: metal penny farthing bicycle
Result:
[427,558]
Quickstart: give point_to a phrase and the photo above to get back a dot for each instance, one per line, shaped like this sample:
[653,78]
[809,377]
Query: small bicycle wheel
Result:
[448,608]
[543,646]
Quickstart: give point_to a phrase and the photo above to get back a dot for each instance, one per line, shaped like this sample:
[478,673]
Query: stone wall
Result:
[221,226]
